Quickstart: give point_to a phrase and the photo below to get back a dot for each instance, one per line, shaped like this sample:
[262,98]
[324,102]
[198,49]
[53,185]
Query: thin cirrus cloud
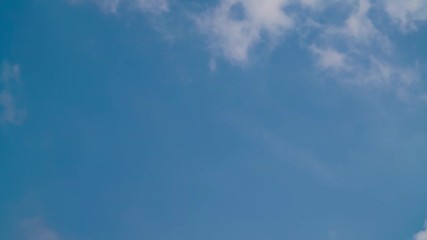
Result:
[36,229]
[10,110]
[113,6]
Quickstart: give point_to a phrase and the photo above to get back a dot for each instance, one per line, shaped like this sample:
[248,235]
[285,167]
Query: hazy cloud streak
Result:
[10,111]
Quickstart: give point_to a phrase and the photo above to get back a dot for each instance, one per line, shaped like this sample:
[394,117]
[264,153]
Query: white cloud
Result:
[357,29]
[10,112]
[358,25]
[36,229]
[422,235]
[329,58]
[406,13]
[234,36]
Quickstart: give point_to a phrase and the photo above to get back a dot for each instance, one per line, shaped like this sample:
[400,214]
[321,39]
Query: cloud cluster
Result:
[10,112]
[354,49]
[235,27]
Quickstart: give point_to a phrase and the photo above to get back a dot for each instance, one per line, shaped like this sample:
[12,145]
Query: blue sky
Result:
[219,119]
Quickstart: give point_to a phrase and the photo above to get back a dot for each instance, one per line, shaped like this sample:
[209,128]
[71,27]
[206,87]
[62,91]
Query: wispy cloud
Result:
[36,229]
[360,54]
[282,149]
[114,6]
[10,84]
[153,5]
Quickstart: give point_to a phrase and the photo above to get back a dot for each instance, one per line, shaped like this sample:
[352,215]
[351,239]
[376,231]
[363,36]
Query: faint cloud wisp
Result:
[10,86]
[36,229]
[113,6]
